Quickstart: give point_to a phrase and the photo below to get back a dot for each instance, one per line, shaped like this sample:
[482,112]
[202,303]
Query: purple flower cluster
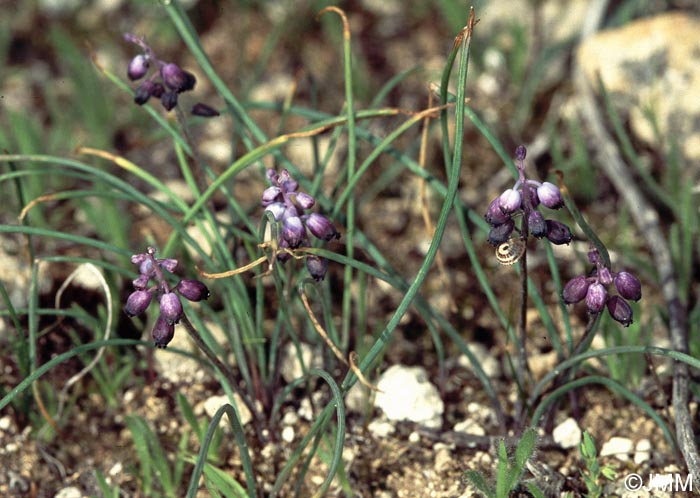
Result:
[288,206]
[524,199]
[594,289]
[166,84]
[138,301]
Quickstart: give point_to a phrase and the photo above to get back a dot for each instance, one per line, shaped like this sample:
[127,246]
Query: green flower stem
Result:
[227,373]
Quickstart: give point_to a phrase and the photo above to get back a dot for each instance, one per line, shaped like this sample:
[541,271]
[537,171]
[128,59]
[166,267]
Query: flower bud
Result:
[317,267]
[277,209]
[499,234]
[520,152]
[530,193]
[558,233]
[192,290]
[593,256]
[205,111]
[168,264]
[283,256]
[620,310]
[494,216]
[536,223]
[272,175]
[137,302]
[550,195]
[604,276]
[596,297]
[304,200]
[293,231]
[138,67]
[270,195]
[163,332]
[628,286]
[509,201]
[170,307]
[321,227]
[146,90]
[169,100]
[141,282]
[575,290]
[176,78]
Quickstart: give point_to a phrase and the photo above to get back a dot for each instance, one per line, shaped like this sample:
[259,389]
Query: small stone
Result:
[406,394]
[470,427]
[619,447]
[567,434]
[290,366]
[443,459]
[357,399]
[213,403]
[288,434]
[116,469]
[5,423]
[642,451]
[290,418]
[381,428]
[487,361]
[414,437]
[69,492]
[305,410]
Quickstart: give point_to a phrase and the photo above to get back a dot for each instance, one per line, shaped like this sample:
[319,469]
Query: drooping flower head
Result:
[170,306]
[523,200]
[288,207]
[595,290]
[166,83]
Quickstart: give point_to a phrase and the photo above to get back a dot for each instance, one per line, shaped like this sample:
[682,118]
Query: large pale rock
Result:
[651,65]
[406,394]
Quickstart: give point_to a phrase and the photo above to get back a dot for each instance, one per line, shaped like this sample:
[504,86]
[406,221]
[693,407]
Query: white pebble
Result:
[567,434]
[406,394]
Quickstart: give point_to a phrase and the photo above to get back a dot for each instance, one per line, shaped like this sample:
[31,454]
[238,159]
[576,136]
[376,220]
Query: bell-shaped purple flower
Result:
[192,290]
[604,276]
[494,216]
[146,90]
[321,227]
[137,302]
[293,231]
[550,195]
[620,310]
[575,290]
[304,200]
[169,100]
[596,296]
[138,67]
[205,111]
[168,264]
[141,282]
[558,233]
[628,286]
[317,267]
[277,209]
[170,307]
[509,201]
[270,195]
[177,79]
[163,332]
[537,224]
[499,234]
